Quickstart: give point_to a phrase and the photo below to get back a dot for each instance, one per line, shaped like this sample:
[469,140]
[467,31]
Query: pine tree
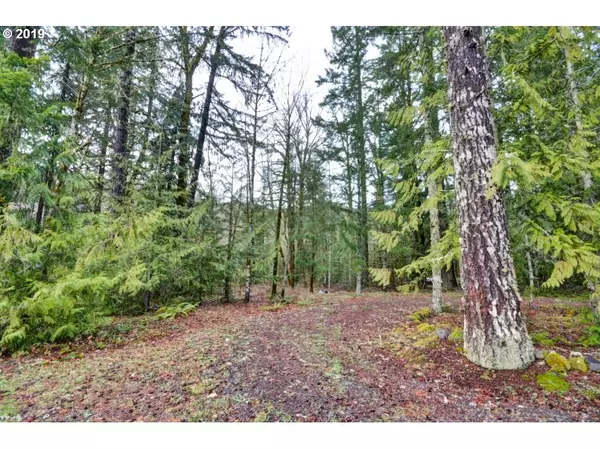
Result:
[495,332]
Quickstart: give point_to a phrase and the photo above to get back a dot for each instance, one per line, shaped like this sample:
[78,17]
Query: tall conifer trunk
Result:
[495,332]
[122,130]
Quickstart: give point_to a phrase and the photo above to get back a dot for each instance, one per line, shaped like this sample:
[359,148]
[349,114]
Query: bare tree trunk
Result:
[362,164]
[286,258]
[530,270]
[122,130]
[199,156]
[329,268]
[436,295]
[431,128]
[495,332]
[358,290]
[190,60]
[585,174]
[278,232]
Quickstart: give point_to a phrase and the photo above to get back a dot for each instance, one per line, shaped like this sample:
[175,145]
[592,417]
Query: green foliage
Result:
[170,312]
[457,335]
[542,338]
[553,383]
[424,328]
[557,362]
[61,282]
[592,336]
[421,314]
[273,307]
[579,364]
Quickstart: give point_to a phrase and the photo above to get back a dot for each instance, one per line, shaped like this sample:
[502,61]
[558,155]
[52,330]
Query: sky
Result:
[307,45]
[304,58]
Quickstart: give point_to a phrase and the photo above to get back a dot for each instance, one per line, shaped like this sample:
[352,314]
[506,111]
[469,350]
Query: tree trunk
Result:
[199,156]
[122,130]
[278,225]
[436,295]
[190,64]
[495,332]
[432,130]
[102,162]
[286,258]
[586,176]
[362,164]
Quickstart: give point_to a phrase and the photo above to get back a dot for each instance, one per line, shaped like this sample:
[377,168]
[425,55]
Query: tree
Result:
[495,333]
[122,131]
[347,93]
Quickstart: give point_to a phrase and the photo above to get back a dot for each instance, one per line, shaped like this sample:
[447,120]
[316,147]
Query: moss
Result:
[425,328]
[579,364]
[203,387]
[557,362]
[456,335]
[553,383]
[271,413]
[305,302]
[421,314]
[432,341]
[335,370]
[273,307]
[542,338]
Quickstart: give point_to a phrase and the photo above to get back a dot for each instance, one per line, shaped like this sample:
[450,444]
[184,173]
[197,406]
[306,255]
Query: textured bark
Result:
[122,131]
[495,332]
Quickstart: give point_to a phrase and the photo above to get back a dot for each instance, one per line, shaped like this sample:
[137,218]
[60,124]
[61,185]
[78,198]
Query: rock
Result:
[539,354]
[573,354]
[593,363]
[323,291]
[579,364]
[442,333]
[557,362]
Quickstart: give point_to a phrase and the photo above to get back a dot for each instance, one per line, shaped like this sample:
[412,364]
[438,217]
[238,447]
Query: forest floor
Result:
[325,357]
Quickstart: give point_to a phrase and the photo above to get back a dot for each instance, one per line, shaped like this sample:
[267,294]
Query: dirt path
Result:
[337,359]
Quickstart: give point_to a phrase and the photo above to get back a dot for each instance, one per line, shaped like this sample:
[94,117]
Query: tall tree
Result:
[191,56]
[121,154]
[495,331]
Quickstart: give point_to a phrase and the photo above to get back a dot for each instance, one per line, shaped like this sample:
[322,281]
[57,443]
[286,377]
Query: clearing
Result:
[326,357]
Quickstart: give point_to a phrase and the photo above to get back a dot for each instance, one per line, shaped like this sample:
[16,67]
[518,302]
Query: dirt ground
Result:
[325,357]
